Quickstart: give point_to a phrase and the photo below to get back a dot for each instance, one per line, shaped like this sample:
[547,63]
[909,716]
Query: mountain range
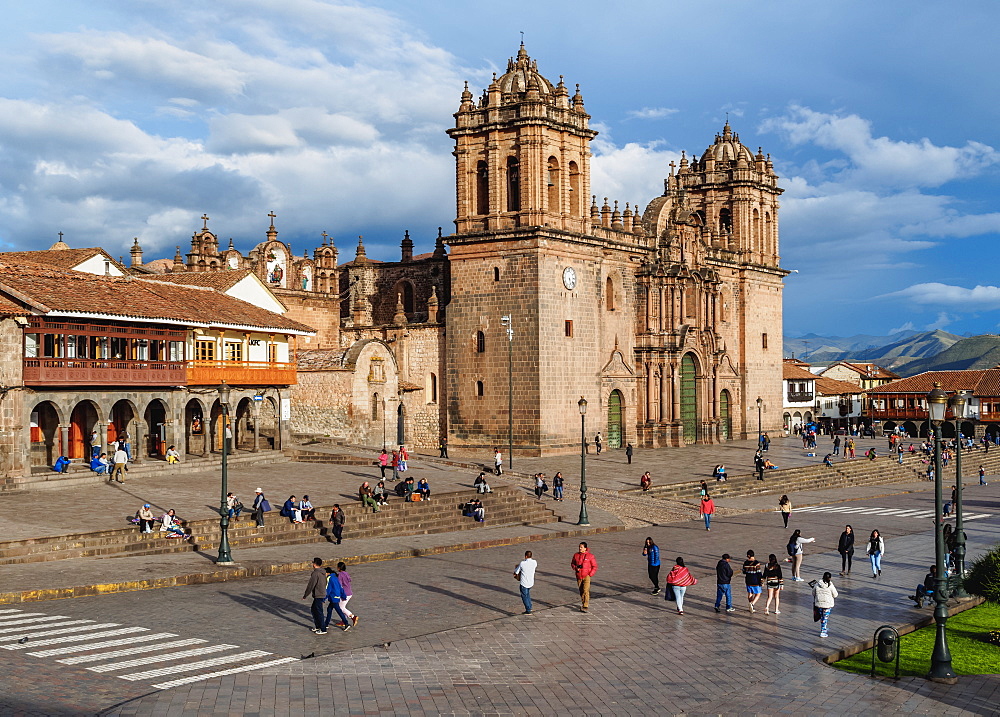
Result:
[893,351]
[974,352]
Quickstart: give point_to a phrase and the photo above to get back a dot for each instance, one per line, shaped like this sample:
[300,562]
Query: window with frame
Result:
[480,389]
[480,342]
[204,350]
[569,328]
[763,341]
[234,351]
[272,353]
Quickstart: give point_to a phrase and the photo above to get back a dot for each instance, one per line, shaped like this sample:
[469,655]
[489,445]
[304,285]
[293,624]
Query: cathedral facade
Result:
[666,319]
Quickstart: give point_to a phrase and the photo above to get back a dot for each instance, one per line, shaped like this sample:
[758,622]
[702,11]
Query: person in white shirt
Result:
[120,461]
[172,455]
[498,461]
[525,573]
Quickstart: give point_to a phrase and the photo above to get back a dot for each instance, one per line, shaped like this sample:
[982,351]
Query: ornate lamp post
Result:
[941,670]
[584,519]
[225,558]
[507,322]
[961,406]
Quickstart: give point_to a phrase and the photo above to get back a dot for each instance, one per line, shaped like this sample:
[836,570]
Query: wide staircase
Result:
[857,472]
[506,506]
[303,454]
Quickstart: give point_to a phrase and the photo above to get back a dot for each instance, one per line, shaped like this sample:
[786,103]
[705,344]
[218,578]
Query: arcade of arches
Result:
[74,424]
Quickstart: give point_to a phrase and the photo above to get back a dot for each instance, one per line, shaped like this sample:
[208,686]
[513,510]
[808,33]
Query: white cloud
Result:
[908,326]
[943,319]
[652,113]
[979,298]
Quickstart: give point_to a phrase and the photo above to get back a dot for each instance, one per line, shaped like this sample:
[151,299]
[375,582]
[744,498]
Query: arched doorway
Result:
[787,420]
[194,427]
[947,429]
[968,429]
[615,432]
[911,429]
[45,439]
[243,425]
[689,399]
[156,431]
[400,425]
[81,422]
[121,424]
[725,421]
[268,428]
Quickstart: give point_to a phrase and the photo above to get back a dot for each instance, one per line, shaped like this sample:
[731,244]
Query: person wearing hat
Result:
[146,519]
[259,507]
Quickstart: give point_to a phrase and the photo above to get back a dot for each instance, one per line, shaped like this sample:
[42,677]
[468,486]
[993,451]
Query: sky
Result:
[132,118]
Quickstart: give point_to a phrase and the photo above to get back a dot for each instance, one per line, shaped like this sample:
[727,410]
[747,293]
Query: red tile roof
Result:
[50,289]
[792,372]
[924,382]
[222,280]
[833,387]
[62,258]
[12,308]
[869,370]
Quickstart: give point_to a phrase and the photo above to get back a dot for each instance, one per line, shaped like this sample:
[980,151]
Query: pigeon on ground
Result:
[308,657]
[22,641]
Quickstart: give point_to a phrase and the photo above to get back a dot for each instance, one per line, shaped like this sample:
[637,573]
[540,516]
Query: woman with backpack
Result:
[680,579]
[824,593]
[875,550]
[795,553]
[845,546]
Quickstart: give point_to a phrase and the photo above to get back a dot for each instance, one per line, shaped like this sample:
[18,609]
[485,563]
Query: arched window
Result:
[725,220]
[432,386]
[766,242]
[496,273]
[513,185]
[480,342]
[575,195]
[407,291]
[609,294]
[479,389]
[375,406]
[482,188]
[553,170]
[755,238]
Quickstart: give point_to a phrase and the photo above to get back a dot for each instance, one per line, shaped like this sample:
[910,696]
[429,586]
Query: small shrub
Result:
[993,637]
[983,577]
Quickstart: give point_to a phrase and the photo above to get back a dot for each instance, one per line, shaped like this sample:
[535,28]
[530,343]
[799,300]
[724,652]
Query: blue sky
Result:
[132,118]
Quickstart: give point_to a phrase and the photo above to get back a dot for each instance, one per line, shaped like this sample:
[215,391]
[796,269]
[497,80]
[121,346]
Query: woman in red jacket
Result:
[706,509]
[680,579]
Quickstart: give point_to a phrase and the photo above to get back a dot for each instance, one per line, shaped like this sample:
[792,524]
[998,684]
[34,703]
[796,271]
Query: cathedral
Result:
[666,319]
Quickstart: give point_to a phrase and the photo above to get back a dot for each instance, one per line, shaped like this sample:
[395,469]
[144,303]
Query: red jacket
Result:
[707,507]
[585,564]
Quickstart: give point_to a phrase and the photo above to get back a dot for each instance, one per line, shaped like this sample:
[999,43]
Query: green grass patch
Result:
[970,653]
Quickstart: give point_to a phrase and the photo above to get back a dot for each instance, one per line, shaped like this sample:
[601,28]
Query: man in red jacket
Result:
[584,564]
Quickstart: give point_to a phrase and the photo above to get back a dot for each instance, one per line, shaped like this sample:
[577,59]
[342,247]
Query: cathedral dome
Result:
[521,75]
[728,148]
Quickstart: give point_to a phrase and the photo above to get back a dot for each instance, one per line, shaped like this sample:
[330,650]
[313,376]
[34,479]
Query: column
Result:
[63,447]
[256,427]
[664,397]
[649,392]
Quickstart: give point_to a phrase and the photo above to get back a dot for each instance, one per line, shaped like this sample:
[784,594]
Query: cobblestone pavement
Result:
[458,645]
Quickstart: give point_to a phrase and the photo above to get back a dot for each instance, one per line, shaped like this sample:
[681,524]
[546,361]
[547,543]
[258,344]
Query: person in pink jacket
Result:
[584,565]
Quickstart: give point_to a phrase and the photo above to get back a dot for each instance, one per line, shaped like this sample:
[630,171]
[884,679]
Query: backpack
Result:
[790,548]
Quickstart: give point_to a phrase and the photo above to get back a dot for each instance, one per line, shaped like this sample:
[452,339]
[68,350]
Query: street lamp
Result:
[225,558]
[960,406]
[584,520]
[507,322]
[941,670]
[760,433]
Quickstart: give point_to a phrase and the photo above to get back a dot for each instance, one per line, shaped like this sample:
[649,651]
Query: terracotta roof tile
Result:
[833,387]
[869,370]
[792,372]
[924,382]
[62,258]
[221,280]
[52,289]
[12,308]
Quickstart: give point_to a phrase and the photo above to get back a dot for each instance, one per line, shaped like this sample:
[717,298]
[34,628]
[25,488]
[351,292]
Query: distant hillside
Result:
[974,352]
[889,351]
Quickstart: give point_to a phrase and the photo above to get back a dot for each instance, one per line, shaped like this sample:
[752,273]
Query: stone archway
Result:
[616,424]
[82,422]
[243,426]
[725,419]
[268,427]
[46,443]
[400,425]
[121,423]
[155,417]
[195,440]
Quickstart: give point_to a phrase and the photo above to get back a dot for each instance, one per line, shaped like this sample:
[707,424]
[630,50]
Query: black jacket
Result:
[846,544]
[723,573]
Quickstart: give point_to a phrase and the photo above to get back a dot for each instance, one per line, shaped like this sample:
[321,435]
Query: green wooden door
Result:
[615,419]
[724,419]
[689,400]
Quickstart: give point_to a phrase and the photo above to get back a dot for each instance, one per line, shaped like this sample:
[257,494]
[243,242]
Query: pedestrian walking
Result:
[120,462]
[774,581]
[404,458]
[525,574]
[845,546]
[836,445]
[628,453]
[443,447]
[383,462]
[497,462]
[260,506]
[850,449]
[707,508]
[316,590]
[394,464]
[584,566]
[680,579]
[539,485]
[724,584]
[344,578]
[875,551]
[335,598]
[824,593]
[652,553]
[758,465]
[753,575]
[703,489]
[795,552]
[337,521]
[557,486]
[785,506]
[982,476]
[599,442]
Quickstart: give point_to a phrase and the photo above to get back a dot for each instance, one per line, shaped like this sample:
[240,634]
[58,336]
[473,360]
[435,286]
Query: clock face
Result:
[234,261]
[569,278]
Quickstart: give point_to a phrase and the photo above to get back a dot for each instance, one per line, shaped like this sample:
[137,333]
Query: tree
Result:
[983,577]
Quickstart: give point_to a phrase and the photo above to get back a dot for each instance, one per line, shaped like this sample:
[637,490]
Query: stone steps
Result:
[344,459]
[504,507]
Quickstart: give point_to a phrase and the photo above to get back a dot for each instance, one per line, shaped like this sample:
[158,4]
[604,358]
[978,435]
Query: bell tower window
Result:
[553,186]
[482,188]
[575,195]
[513,184]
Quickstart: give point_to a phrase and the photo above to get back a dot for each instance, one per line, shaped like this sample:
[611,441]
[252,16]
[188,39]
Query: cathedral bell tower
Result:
[522,154]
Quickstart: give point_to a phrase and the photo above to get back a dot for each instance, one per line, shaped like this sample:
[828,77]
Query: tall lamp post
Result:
[941,670]
[506,321]
[584,519]
[225,558]
[961,406]
[760,432]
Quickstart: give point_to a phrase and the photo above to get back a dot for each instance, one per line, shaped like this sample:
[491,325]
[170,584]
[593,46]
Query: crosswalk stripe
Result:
[27,631]
[9,619]
[70,649]
[76,638]
[222,673]
[28,626]
[162,658]
[4,612]
[191,666]
[976,516]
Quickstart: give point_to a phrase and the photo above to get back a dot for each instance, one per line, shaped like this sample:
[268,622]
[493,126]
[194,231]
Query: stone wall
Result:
[13,450]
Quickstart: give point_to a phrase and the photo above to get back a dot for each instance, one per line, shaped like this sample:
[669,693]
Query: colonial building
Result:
[799,395]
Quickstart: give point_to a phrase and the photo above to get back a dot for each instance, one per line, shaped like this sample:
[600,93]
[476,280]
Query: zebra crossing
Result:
[142,654]
[918,513]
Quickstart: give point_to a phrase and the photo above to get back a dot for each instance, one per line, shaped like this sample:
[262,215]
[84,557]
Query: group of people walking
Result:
[330,589]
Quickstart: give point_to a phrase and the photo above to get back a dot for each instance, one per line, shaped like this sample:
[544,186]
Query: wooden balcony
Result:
[102,372]
[242,373]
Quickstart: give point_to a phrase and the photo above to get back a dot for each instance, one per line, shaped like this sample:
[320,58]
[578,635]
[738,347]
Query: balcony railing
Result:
[800,396]
[210,373]
[102,372]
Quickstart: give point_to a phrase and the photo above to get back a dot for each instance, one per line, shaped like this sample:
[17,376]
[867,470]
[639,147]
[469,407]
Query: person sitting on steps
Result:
[481,485]
[424,489]
[925,591]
